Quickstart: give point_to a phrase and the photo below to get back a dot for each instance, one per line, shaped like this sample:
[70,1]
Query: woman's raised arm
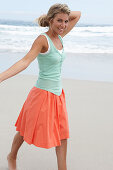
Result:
[73,19]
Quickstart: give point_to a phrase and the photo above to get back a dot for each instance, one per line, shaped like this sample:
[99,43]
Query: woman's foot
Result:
[11,162]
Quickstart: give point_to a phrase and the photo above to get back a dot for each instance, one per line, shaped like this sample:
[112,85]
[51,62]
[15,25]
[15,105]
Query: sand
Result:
[90,112]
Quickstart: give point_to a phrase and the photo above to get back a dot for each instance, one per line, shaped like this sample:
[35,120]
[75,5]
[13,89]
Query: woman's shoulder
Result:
[41,36]
[41,39]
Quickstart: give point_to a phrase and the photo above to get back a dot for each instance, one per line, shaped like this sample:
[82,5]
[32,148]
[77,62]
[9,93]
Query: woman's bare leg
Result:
[61,152]
[17,142]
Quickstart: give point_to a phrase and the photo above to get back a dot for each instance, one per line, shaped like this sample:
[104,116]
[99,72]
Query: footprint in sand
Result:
[3,168]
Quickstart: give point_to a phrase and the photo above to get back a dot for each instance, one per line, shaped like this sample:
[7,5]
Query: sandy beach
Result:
[90,112]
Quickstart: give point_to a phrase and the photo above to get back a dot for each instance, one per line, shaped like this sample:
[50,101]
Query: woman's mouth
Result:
[60,29]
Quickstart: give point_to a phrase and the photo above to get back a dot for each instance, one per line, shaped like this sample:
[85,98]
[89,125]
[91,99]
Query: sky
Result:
[92,11]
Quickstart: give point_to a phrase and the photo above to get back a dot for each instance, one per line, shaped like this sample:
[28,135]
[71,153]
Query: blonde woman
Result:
[43,120]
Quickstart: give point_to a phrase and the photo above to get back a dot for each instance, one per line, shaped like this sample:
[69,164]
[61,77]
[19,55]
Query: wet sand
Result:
[90,112]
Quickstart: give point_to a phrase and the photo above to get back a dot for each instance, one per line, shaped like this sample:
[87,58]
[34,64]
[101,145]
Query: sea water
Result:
[88,47]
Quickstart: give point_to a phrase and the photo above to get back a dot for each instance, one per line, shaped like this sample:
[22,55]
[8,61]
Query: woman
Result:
[43,120]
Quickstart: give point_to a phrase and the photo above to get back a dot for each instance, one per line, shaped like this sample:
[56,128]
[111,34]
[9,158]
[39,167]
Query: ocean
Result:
[88,47]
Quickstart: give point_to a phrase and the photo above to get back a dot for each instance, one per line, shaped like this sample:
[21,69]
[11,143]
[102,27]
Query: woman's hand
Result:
[73,19]
[0,80]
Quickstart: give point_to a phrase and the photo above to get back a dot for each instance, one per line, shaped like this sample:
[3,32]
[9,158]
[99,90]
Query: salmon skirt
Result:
[43,119]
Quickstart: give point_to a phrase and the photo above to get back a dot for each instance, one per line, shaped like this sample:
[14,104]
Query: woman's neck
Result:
[52,34]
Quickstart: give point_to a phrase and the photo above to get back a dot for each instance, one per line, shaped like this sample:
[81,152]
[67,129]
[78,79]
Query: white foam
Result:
[80,39]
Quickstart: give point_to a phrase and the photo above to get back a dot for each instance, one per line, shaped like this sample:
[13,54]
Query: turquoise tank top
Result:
[50,64]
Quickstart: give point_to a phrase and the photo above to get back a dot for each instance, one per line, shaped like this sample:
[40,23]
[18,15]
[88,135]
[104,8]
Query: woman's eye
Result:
[59,20]
[66,21]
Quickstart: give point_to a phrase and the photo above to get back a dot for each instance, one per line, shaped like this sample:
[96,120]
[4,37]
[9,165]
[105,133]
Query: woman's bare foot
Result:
[11,162]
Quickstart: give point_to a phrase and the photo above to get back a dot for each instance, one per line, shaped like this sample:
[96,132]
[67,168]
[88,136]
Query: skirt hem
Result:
[40,145]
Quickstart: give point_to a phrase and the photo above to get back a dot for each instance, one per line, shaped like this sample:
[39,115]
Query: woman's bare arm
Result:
[25,61]
[73,19]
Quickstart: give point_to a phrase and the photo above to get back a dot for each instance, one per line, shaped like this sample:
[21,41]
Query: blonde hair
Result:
[44,19]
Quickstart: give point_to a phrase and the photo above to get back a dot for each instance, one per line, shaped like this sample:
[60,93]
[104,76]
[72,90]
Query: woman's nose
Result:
[63,24]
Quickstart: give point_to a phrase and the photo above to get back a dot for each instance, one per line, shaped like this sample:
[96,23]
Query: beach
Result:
[90,113]
[87,78]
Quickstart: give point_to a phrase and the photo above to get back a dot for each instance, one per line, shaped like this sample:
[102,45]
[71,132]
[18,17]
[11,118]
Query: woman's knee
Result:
[19,136]
[62,147]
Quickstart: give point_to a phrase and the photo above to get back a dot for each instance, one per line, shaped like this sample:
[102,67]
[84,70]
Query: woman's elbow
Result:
[26,63]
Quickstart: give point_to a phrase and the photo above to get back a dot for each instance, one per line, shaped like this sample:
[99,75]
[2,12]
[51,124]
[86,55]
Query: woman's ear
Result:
[50,22]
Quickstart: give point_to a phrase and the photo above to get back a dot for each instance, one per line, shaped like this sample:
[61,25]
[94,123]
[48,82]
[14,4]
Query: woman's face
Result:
[59,23]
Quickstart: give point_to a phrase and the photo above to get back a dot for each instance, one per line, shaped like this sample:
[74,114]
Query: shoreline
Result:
[78,66]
